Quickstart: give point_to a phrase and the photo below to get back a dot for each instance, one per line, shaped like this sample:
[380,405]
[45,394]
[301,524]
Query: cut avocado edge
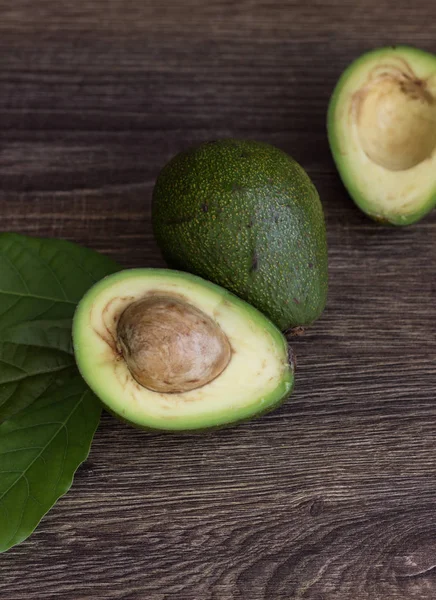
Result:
[270,404]
[392,216]
[94,365]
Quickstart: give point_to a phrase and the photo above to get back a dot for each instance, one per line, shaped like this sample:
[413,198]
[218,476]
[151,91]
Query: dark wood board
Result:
[332,497]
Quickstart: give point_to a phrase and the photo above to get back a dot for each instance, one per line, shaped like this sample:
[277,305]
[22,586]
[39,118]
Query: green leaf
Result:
[54,334]
[41,282]
[40,450]
[43,279]
[48,416]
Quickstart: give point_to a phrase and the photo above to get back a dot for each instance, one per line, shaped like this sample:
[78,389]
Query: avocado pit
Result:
[396,120]
[171,346]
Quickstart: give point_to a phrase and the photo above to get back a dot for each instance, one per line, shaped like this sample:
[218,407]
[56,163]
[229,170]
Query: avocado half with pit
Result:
[168,350]
[382,132]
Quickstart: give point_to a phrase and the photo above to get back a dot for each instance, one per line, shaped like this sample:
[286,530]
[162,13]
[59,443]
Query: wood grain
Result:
[332,497]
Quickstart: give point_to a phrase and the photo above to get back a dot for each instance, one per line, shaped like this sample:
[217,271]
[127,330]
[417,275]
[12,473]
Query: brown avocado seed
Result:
[396,118]
[171,346]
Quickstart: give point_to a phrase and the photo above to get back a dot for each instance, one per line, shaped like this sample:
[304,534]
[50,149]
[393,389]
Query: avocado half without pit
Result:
[168,350]
[382,132]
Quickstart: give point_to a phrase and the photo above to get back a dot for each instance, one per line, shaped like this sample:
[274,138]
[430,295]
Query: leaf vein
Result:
[37,297]
[16,269]
[9,308]
[35,373]
[46,263]
[20,450]
[62,426]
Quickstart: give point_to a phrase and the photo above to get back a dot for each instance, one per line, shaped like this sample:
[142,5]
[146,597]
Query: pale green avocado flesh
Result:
[382,133]
[257,378]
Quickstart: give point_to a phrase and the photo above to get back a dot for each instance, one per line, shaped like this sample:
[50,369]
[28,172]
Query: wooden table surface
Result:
[332,497]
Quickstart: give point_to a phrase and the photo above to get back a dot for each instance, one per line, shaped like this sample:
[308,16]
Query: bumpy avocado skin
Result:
[246,216]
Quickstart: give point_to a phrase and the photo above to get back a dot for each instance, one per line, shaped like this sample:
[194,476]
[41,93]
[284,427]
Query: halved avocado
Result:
[382,133]
[168,350]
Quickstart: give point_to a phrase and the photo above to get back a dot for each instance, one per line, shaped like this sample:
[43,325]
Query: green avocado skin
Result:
[246,216]
[201,430]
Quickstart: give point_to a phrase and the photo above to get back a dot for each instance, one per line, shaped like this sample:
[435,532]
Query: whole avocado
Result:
[246,216]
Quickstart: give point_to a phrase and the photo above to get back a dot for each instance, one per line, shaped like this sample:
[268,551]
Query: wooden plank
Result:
[332,497]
